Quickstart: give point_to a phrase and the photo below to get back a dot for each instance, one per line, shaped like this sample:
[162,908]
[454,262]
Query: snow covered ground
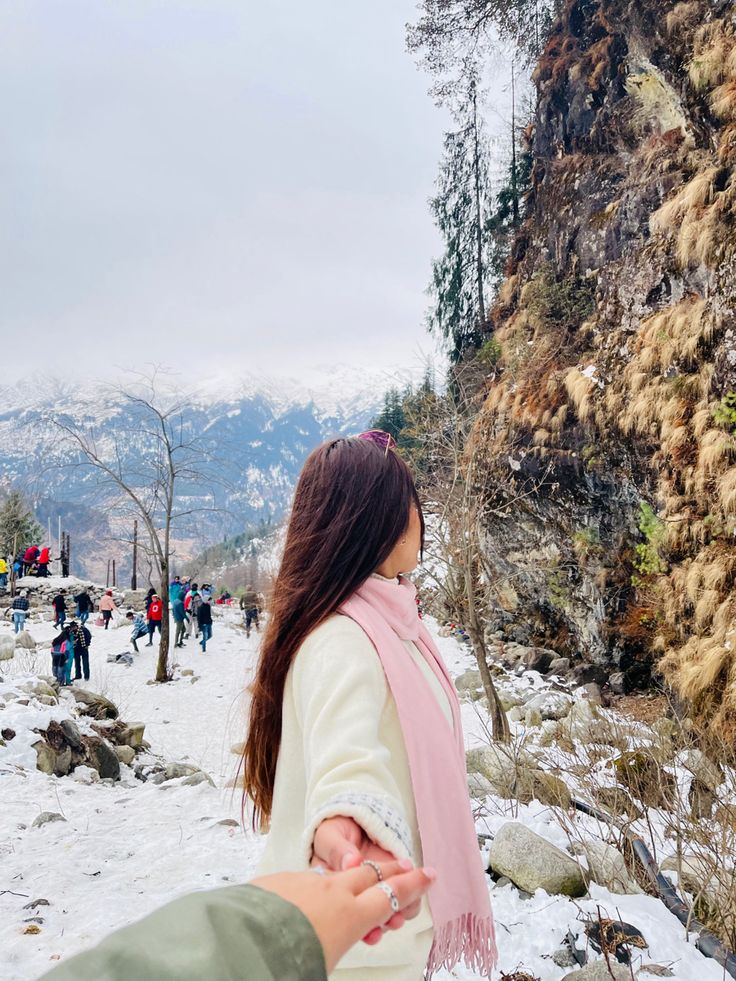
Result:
[126,849]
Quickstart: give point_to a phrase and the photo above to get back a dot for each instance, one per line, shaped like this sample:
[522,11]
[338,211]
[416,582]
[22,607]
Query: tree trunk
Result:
[478,214]
[162,667]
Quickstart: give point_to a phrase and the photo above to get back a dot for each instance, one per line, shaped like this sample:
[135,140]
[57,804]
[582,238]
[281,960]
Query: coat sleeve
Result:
[236,932]
[341,693]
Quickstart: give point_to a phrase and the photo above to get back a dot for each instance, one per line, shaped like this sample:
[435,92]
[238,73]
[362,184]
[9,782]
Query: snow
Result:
[126,849]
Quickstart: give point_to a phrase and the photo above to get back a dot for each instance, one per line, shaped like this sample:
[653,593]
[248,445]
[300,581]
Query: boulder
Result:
[592,693]
[617,683]
[102,757]
[196,778]
[617,802]
[187,672]
[704,771]
[532,718]
[559,665]
[647,781]
[7,733]
[126,754]
[24,639]
[600,971]
[38,687]
[45,757]
[607,867]
[470,684]
[176,770]
[46,817]
[538,659]
[499,769]
[63,761]
[551,704]
[550,790]
[533,863]
[85,774]
[132,735]
[7,648]
[583,674]
[71,733]
[94,705]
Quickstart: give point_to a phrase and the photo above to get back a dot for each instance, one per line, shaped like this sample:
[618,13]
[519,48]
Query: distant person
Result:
[4,571]
[180,619]
[206,591]
[185,587]
[81,638]
[107,607]
[29,558]
[191,605]
[154,617]
[18,565]
[174,588]
[20,606]
[42,562]
[149,596]
[59,605]
[84,606]
[249,604]
[204,620]
[140,628]
[60,657]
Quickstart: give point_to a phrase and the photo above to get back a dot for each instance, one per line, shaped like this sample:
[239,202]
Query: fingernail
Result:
[430,873]
[406,864]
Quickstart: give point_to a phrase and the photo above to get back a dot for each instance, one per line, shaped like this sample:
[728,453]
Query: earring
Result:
[403,541]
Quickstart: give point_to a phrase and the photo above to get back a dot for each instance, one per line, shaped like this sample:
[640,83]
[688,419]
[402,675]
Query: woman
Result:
[107,607]
[61,657]
[354,751]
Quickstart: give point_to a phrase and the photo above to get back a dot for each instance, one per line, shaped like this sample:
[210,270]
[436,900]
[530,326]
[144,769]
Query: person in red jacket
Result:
[29,557]
[155,613]
[43,561]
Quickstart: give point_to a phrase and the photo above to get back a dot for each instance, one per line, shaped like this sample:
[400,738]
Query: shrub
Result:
[649,560]
[560,303]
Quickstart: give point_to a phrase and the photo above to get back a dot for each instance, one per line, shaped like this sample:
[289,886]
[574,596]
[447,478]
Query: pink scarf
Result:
[460,905]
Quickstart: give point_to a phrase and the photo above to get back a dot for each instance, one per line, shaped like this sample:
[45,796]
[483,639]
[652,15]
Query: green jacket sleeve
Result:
[240,933]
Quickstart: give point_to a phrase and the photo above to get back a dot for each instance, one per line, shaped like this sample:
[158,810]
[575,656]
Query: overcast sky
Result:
[217,185]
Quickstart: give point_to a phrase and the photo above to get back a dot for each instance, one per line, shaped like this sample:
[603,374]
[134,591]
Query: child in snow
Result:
[155,615]
[60,657]
[138,622]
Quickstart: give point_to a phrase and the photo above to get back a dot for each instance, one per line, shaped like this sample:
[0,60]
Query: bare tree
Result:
[153,457]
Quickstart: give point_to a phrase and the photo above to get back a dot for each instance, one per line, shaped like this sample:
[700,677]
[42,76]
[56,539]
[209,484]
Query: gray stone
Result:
[532,718]
[94,705]
[559,665]
[703,770]
[187,672]
[85,774]
[71,733]
[617,802]
[63,761]
[533,863]
[24,639]
[7,648]
[132,735]
[470,684]
[617,683]
[593,693]
[45,757]
[196,778]
[102,757]
[607,867]
[564,957]
[47,699]
[126,754]
[656,970]
[551,704]
[46,817]
[600,971]
[176,770]
[538,659]
[39,687]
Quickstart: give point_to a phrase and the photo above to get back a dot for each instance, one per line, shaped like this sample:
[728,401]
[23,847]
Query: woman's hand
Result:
[346,906]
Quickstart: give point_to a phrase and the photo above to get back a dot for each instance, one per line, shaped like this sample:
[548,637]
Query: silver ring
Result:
[390,895]
[376,868]
[319,870]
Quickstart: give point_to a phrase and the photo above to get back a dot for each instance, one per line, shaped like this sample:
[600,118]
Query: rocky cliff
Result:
[606,431]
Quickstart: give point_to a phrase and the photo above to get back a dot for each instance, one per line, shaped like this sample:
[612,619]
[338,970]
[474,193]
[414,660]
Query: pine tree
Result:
[461,212]
[18,526]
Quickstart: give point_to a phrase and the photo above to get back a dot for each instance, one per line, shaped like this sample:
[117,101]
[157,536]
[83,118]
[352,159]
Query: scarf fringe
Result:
[470,939]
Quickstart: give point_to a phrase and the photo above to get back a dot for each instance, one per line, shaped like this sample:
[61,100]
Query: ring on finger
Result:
[390,895]
[319,869]
[376,868]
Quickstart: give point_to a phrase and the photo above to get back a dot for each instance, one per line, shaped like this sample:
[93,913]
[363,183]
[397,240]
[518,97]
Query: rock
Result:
[695,874]
[176,770]
[645,779]
[71,733]
[592,693]
[617,683]
[24,639]
[657,970]
[37,902]
[94,705]
[85,774]
[583,674]
[550,790]
[63,761]
[707,773]
[533,863]
[564,957]
[187,672]
[617,802]
[600,971]
[470,685]
[559,665]
[126,754]
[8,733]
[228,823]
[102,757]
[46,817]
[196,778]
[509,699]
[7,648]
[538,659]
[499,769]
[548,734]
[39,687]
[532,718]
[132,735]
[702,801]
[607,867]
[45,757]
[551,704]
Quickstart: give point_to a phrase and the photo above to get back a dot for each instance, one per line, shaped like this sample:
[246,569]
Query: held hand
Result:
[346,906]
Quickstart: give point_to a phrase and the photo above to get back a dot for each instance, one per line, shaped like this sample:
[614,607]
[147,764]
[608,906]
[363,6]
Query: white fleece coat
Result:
[342,753]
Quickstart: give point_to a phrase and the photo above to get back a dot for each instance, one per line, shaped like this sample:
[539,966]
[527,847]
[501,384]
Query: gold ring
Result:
[376,868]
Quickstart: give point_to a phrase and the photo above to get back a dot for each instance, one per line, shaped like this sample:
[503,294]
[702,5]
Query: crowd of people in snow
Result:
[31,561]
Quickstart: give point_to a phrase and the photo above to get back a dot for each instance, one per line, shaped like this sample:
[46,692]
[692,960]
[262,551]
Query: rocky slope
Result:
[606,429]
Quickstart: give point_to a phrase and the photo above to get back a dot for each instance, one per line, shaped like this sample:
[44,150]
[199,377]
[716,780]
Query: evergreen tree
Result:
[18,526]
[461,210]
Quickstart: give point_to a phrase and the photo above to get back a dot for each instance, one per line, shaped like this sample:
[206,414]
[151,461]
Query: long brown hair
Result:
[351,506]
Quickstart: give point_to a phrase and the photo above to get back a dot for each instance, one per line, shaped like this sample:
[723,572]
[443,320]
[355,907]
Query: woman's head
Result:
[356,511]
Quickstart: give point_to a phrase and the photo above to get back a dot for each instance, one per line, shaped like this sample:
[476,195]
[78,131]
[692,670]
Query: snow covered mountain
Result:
[257,433]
